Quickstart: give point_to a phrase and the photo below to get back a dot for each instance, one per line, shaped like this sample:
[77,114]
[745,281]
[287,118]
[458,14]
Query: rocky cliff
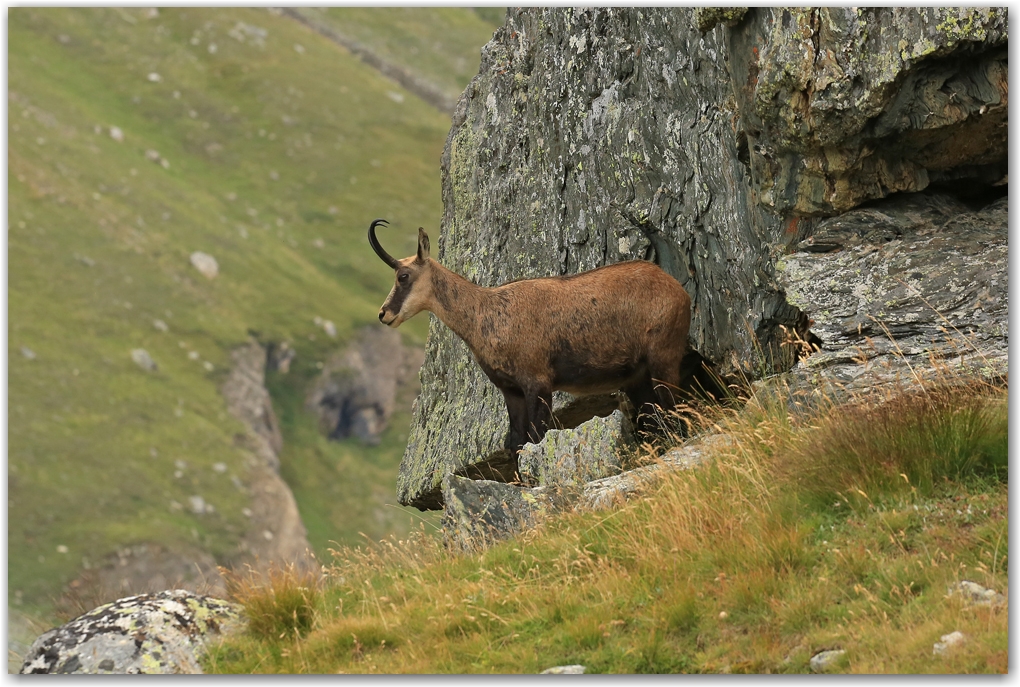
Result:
[711,143]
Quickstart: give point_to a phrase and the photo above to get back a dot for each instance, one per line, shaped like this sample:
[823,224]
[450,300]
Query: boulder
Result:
[480,512]
[571,457]
[947,642]
[163,633]
[575,669]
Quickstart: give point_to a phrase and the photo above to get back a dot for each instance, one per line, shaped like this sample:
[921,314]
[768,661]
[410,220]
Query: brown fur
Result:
[621,326]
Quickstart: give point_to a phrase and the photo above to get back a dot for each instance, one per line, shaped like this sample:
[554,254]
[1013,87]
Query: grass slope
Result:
[842,530]
[441,46]
[281,147]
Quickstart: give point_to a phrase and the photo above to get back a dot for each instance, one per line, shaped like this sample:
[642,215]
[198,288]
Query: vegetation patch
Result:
[746,564]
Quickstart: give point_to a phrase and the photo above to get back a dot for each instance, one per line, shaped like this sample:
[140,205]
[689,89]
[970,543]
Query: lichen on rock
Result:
[152,633]
[571,457]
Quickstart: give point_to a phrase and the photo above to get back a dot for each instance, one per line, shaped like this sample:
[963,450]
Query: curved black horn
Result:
[386,257]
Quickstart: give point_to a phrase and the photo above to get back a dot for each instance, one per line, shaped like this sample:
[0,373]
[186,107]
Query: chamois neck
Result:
[458,303]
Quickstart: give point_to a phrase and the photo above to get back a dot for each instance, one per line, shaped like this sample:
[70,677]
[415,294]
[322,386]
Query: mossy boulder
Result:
[162,633]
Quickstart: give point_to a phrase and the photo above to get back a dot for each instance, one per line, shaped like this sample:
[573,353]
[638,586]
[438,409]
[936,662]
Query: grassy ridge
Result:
[280,147]
[743,565]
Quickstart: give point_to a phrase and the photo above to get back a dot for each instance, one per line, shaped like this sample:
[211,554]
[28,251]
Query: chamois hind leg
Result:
[517,411]
[643,397]
[539,413]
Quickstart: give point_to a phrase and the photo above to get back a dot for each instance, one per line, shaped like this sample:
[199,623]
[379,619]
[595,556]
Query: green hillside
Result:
[244,135]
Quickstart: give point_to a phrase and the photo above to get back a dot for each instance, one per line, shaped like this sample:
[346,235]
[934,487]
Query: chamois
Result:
[621,326]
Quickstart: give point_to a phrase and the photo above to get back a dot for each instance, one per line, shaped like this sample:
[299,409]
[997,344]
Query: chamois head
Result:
[412,291]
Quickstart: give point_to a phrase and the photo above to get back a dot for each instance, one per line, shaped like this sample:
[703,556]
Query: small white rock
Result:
[154,77]
[976,595]
[208,366]
[247,512]
[160,325]
[948,642]
[116,134]
[219,467]
[61,548]
[143,359]
[826,659]
[268,535]
[197,504]
[564,670]
[192,355]
[206,264]
[395,97]
[28,352]
[329,328]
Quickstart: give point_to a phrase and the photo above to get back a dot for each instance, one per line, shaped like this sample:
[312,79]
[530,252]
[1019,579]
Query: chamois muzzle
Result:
[386,257]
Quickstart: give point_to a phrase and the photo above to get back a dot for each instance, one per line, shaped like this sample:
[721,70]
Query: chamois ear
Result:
[423,245]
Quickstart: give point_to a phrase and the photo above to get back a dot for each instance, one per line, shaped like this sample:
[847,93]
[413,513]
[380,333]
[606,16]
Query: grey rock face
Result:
[903,288]
[592,136]
[598,135]
[357,390]
[571,457]
[153,633]
[840,105]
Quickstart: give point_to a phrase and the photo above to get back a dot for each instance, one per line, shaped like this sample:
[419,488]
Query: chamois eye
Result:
[402,277]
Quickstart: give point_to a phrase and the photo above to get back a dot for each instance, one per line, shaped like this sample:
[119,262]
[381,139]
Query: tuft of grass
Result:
[737,566]
[279,603]
[920,438]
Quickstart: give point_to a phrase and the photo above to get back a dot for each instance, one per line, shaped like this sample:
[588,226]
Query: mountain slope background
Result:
[137,137]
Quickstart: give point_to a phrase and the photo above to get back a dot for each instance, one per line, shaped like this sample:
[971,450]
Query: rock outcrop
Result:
[357,390]
[275,531]
[162,633]
[841,105]
[248,400]
[906,289]
[596,135]
[480,512]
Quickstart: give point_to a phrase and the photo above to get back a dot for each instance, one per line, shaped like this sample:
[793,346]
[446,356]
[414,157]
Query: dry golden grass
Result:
[805,532]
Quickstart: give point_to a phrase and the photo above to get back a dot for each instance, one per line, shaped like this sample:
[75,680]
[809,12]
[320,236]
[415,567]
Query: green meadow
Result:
[135,138]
